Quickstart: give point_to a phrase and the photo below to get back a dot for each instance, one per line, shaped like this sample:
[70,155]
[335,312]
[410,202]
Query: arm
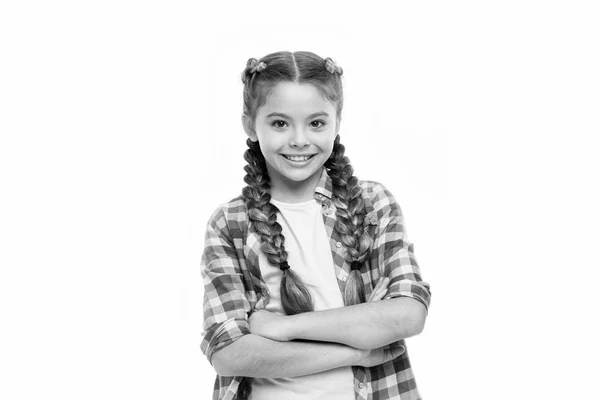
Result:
[364,326]
[403,311]
[225,304]
[256,356]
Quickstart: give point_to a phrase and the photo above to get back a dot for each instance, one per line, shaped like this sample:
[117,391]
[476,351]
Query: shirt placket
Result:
[338,252]
[362,389]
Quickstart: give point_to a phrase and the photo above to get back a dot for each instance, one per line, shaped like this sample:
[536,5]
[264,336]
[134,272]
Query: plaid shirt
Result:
[231,292]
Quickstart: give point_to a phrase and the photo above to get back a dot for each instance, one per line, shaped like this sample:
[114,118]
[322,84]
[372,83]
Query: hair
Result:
[259,77]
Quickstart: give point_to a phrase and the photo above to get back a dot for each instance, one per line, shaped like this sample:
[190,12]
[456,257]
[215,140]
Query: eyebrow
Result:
[277,114]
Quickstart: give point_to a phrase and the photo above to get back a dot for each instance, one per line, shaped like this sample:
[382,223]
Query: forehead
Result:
[296,98]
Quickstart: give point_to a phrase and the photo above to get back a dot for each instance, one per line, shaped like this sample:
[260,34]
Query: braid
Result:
[350,212]
[295,297]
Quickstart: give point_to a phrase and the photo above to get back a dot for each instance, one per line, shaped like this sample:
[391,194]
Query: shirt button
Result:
[345,278]
[329,211]
[361,385]
[338,244]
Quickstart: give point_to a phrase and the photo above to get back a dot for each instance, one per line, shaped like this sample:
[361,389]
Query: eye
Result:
[279,123]
[318,122]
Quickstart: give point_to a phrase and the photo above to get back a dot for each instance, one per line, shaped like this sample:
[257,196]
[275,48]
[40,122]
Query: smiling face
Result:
[296,128]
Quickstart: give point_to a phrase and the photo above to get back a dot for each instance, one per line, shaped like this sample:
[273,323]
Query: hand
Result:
[269,325]
[371,358]
[380,289]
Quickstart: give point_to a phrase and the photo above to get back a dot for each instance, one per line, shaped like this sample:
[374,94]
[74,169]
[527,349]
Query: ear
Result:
[337,124]
[249,127]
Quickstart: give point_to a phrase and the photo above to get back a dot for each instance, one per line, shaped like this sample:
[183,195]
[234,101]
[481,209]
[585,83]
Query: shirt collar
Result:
[324,187]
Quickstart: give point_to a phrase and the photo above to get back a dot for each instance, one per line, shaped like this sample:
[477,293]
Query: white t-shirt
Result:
[309,255]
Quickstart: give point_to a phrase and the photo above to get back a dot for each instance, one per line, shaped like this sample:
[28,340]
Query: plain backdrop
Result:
[120,134]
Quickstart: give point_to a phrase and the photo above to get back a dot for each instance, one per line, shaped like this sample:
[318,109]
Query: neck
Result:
[288,191]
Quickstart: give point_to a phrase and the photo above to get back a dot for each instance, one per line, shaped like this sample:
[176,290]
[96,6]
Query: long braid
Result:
[350,213]
[295,297]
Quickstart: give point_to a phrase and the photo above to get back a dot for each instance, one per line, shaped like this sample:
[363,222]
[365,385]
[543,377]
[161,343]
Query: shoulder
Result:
[231,215]
[372,189]
[379,201]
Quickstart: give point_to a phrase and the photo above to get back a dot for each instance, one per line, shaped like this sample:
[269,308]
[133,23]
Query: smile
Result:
[298,158]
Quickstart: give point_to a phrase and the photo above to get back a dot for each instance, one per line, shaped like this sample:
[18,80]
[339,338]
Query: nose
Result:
[299,138]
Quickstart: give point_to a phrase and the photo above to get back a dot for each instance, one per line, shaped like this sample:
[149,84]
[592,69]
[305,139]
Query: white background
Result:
[120,134]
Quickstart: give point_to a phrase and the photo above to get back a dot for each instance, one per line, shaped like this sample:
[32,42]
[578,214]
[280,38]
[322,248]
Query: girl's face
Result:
[296,128]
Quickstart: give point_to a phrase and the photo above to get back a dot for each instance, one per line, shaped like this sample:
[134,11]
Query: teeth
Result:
[297,158]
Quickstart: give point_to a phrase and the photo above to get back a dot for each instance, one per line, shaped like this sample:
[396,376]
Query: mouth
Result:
[301,158]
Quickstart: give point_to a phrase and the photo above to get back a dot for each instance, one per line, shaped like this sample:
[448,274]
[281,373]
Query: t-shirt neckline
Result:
[303,204]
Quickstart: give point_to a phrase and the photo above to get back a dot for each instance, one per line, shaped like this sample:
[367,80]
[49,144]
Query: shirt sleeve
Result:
[396,256]
[225,304]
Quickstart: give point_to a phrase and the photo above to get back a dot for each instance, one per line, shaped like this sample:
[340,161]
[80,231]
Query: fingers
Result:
[381,355]
[380,289]
[379,283]
[376,294]
[384,354]
[396,351]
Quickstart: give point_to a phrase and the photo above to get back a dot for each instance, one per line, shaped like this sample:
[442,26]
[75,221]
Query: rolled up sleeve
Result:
[396,258]
[225,304]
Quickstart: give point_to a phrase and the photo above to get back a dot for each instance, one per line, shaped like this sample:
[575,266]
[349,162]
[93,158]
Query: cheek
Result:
[269,148]
[329,152]
[327,146]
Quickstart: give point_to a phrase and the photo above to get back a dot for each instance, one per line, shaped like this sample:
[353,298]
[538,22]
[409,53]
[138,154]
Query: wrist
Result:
[289,327]
[357,356]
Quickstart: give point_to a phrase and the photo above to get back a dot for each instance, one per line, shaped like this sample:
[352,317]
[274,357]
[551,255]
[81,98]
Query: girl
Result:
[294,268]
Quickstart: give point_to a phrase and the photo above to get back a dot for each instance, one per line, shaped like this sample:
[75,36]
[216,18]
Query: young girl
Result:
[294,268]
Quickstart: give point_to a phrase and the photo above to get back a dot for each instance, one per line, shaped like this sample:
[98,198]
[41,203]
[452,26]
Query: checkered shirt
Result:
[231,291]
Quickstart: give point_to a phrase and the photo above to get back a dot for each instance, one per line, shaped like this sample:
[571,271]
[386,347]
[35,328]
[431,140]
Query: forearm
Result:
[256,356]
[363,326]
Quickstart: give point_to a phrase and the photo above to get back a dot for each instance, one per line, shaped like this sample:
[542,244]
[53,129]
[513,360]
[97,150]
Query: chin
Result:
[298,178]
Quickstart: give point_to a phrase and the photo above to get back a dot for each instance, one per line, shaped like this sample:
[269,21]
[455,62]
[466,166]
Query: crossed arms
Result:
[333,338]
